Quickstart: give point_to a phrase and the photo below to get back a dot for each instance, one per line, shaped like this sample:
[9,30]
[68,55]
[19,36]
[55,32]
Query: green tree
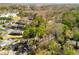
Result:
[54,47]
[29,32]
[38,20]
[40,31]
[68,49]
[22,14]
[76,38]
[69,19]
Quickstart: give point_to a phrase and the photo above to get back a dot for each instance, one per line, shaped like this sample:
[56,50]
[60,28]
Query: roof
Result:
[17,26]
[16,32]
[30,17]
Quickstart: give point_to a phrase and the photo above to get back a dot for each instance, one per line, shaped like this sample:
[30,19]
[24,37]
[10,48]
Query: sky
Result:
[39,1]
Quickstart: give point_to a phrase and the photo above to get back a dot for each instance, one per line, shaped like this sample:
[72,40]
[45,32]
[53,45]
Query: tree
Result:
[33,30]
[69,19]
[38,20]
[68,49]
[1,37]
[29,32]
[22,14]
[40,31]
[76,38]
[54,47]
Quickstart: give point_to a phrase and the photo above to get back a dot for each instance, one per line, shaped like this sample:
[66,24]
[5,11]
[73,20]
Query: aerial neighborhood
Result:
[39,29]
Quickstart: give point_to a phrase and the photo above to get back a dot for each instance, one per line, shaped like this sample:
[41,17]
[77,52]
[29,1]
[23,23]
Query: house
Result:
[16,32]
[16,26]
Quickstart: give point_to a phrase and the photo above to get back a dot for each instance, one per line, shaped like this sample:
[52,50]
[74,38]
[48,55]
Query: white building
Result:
[8,14]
